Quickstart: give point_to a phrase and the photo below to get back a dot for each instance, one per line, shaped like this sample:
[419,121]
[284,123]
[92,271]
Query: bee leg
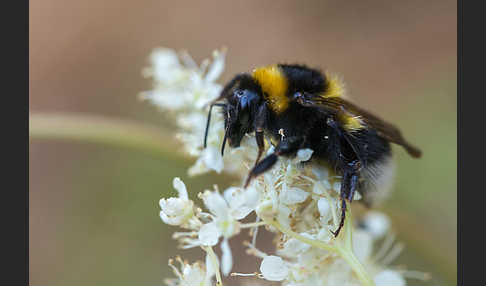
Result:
[259,123]
[260,143]
[285,147]
[261,167]
[349,186]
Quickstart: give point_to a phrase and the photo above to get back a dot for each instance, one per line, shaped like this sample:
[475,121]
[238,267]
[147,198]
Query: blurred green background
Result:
[94,207]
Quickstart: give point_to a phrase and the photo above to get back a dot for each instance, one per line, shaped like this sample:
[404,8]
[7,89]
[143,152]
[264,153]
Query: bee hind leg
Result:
[349,186]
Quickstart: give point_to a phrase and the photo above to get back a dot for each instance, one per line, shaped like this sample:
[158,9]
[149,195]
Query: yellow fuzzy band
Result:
[335,88]
[274,84]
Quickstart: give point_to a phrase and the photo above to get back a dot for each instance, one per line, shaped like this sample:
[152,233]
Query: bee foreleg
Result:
[261,144]
[285,147]
[259,123]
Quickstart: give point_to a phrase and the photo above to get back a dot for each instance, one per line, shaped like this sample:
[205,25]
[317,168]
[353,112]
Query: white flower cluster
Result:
[299,202]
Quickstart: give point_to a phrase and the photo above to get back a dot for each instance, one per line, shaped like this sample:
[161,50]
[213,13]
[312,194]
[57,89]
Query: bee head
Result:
[243,97]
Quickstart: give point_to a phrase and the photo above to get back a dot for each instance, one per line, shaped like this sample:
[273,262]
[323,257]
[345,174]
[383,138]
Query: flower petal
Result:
[216,204]
[212,158]
[180,187]
[273,268]
[227,258]
[216,67]
[241,201]
[209,234]
[323,207]
[291,196]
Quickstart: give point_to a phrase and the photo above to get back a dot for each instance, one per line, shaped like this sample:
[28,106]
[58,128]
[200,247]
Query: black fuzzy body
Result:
[326,143]
[310,122]
[306,119]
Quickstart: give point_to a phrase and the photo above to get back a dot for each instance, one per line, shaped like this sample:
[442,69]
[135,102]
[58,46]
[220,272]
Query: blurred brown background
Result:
[94,208]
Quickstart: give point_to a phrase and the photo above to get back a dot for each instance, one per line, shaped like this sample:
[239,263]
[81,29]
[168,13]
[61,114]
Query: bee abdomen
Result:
[377,180]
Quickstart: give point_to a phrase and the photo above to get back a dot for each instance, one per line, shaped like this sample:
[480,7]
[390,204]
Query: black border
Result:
[471,109]
[15,123]
[460,270]
[460,280]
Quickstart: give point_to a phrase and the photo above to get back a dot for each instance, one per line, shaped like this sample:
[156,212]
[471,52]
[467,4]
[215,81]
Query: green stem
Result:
[214,261]
[344,249]
[357,267]
[100,129]
[311,242]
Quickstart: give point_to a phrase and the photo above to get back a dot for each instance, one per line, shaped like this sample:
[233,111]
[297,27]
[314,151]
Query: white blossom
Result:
[273,268]
[297,199]
[177,211]
[226,212]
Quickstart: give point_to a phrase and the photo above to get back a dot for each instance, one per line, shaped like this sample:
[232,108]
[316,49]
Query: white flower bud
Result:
[323,207]
[176,211]
[273,268]
[290,196]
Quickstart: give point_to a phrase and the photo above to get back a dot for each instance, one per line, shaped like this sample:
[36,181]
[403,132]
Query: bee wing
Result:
[338,105]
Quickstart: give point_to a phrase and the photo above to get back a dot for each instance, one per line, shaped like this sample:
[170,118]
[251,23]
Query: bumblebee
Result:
[300,107]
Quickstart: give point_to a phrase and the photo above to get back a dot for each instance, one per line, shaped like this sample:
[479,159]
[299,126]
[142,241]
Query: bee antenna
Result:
[224,141]
[208,121]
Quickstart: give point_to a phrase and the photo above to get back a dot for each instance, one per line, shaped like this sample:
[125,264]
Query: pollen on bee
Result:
[351,122]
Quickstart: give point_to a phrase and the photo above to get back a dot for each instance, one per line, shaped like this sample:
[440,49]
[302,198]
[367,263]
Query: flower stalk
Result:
[341,246]
[102,130]
[215,264]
